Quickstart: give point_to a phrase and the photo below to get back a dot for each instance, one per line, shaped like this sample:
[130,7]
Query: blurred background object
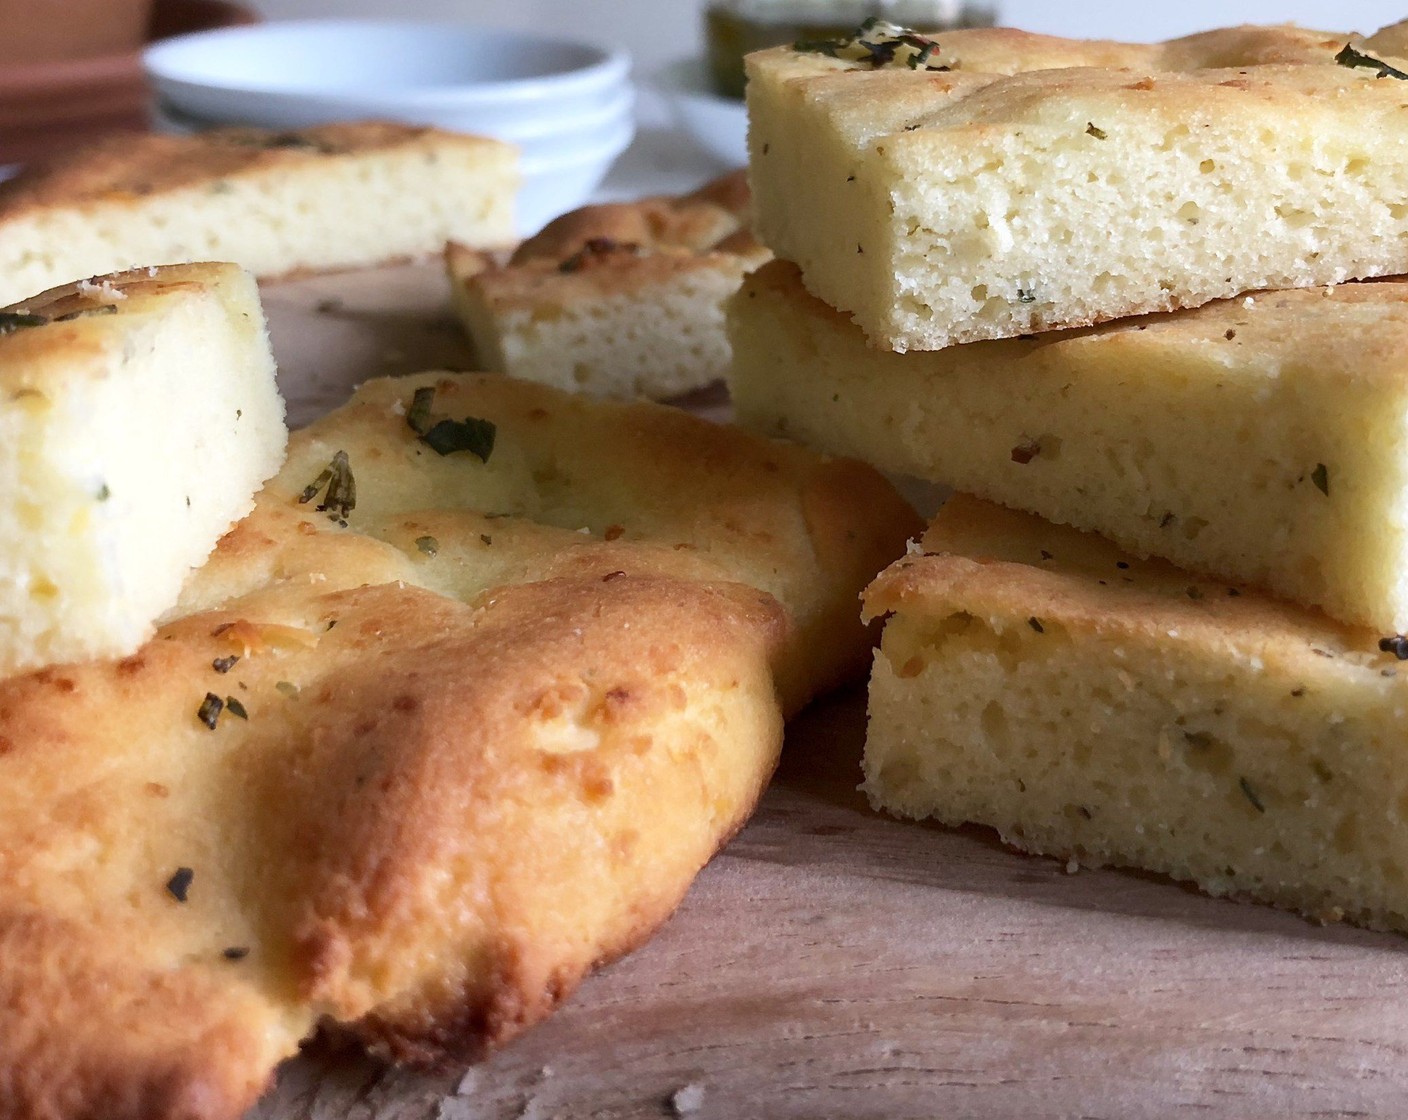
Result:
[70,70]
[49,30]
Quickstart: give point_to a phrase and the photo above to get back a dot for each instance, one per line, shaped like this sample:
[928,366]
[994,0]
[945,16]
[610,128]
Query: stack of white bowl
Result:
[569,106]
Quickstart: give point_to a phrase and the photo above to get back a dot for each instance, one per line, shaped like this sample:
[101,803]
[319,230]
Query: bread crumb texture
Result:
[1043,183]
[1112,711]
[138,418]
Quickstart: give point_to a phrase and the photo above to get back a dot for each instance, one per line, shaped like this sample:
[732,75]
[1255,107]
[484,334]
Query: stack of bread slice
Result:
[1115,288]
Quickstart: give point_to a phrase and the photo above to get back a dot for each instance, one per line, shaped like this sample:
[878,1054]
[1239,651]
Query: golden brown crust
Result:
[75,317]
[131,167]
[476,751]
[616,248]
[694,222]
[986,557]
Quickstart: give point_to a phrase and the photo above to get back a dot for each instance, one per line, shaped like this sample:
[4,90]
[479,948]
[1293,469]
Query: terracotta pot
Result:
[54,105]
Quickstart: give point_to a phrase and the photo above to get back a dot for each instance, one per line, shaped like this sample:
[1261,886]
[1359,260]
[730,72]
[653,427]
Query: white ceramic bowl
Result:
[454,75]
[553,185]
[717,124]
[570,107]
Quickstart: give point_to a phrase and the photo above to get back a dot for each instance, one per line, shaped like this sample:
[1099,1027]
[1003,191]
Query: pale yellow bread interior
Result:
[1107,710]
[415,762]
[1262,439]
[138,417]
[314,199]
[1042,183]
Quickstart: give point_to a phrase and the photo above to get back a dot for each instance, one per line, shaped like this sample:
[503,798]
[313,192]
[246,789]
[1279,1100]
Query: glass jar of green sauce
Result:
[734,28]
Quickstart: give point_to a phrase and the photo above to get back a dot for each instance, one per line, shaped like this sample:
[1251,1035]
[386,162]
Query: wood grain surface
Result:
[835,963]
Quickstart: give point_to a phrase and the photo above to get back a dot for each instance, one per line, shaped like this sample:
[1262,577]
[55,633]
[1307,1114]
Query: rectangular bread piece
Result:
[619,300]
[336,196]
[1262,439]
[1041,183]
[138,417]
[1095,707]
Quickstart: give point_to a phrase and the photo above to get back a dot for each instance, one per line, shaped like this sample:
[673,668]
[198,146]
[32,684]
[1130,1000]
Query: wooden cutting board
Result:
[834,963]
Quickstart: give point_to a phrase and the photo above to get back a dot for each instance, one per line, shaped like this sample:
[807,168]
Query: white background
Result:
[665,29]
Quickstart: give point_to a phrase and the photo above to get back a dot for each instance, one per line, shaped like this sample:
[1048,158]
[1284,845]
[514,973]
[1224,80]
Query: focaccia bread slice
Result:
[335,196]
[138,417]
[1095,707]
[1000,184]
[620,300]
[453,717]
[1262,439]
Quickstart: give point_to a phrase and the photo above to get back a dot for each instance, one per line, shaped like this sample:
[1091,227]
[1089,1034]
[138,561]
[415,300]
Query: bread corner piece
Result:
[315,199]
[1000,184]
[618,300]
[138,416]
[1091,706]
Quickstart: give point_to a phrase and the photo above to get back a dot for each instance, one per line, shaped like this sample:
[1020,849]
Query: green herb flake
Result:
[1091,129]
[235,708]
[1396,645]
[878,44]
[11,321]
[1251,795]
[1352,58]
[470,434]
[428,545]
[288,688]
[1321,477]
[418,415]
[209,711]
[179,885]
[225,664]
[104,492]
[341,497]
